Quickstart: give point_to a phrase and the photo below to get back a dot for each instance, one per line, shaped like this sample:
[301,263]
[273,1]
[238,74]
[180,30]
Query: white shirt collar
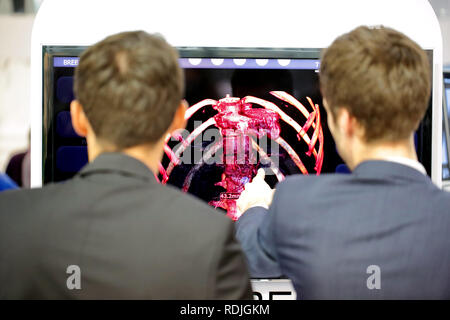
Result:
[408,162]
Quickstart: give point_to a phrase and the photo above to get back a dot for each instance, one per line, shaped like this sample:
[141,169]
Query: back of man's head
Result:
[130,85]
[381,77]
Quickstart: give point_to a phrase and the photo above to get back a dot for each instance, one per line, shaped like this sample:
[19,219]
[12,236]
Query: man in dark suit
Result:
[113,231]
[381,232]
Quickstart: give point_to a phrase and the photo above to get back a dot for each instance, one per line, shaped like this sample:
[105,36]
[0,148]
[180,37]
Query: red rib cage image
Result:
[240,121]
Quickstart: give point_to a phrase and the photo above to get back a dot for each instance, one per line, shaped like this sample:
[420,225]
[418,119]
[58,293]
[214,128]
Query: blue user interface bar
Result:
[66,61]
[218,63]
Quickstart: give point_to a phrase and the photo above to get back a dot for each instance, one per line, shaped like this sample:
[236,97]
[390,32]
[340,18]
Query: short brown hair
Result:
[130,85]
[381,77]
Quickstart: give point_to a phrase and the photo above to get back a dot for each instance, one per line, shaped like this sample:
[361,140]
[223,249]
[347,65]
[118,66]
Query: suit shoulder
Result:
[298,182]
[24,197]
[442,198]
[23,208]
[322,178]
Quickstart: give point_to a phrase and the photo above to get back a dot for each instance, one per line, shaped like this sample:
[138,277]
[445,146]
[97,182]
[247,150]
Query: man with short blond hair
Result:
[114,232]
[380,232]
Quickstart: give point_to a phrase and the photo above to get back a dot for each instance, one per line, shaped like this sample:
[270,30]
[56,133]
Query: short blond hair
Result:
[381,77]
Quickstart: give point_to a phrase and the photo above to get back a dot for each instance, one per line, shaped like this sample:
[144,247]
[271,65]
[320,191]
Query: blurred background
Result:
[16,21]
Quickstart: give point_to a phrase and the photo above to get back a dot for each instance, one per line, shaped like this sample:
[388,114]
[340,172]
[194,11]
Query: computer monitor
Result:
[250,108]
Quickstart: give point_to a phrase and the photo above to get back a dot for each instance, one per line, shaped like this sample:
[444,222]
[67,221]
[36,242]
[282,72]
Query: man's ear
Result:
[80,122]
[325,104]
[349,125]
[346,122]
[179,122]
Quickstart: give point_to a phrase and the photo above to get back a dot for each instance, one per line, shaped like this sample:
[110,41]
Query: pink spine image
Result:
[241,122]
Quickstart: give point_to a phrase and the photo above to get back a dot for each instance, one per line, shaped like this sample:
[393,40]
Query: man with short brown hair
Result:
[114,232]
[380,232]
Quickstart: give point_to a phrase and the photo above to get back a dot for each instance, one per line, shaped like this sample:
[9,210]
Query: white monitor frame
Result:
[286,24]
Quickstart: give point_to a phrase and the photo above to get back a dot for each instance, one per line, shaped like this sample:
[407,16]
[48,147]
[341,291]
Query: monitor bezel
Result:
[446,124]
[424,139]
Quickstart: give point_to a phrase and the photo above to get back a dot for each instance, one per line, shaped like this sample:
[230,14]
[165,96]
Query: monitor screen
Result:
[249,109]
[64,152]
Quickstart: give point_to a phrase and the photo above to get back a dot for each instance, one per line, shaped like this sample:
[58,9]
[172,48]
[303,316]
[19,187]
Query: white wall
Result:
[442,9]
[445,28]
[15,39]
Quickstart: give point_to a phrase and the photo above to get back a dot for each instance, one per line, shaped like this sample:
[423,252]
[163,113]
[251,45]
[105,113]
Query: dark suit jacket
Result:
[325,232]
[131,237]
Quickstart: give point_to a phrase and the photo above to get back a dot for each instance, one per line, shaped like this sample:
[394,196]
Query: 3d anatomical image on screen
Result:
[240,121]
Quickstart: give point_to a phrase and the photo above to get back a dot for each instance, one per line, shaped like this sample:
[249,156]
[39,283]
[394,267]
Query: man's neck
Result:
[150,155]
[384,151]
